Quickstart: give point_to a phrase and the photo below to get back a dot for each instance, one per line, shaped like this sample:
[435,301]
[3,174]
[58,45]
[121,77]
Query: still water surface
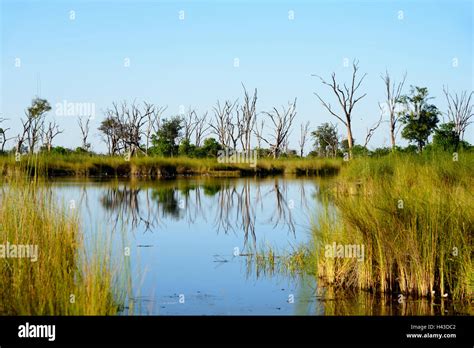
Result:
[183,237]
[177,245]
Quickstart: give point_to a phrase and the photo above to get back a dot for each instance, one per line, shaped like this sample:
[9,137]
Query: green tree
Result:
[186,148]
[447,138]
[165,140]
[59,150]
[326,140]
[33,125]
[359,150]
[210,148]
[419,117]
[382,151]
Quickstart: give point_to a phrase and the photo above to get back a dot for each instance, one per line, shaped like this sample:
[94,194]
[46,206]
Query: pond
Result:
[183,239]
[179,246]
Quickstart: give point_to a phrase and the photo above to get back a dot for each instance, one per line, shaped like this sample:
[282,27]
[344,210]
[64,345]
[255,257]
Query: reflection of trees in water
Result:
[225,205]
[235,204]
[192,202]
[235,210]
[247,213]
[124,202]
[303,199]
[167,202]
[283,207]
[241,202]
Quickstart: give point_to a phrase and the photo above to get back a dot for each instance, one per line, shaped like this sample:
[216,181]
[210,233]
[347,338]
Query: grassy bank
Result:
[62,279]
[414,216]
[158,167]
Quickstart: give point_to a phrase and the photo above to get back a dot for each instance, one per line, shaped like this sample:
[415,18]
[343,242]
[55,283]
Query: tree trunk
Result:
[392,137]
[349,139]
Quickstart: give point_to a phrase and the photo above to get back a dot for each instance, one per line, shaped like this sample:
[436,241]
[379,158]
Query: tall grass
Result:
[415,217]
[65,279]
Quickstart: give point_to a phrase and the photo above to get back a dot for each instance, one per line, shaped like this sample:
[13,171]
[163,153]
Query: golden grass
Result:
[414,215]
[65,279]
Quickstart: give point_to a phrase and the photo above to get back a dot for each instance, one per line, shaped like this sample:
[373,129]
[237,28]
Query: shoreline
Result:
[160,167]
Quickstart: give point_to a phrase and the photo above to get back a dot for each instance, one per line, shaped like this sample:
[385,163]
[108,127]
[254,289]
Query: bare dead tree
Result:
[34,133]
[49,134]
[110,128]
[124,126]
[156,117]
[460,110]
[3,139]
[201,128]
[122,133]
[259,133]
[347,99]
[282,122]
[84,127]
[140,125]
[135,121]
[21,138]
[249,117]
[285,145]
[149,124]
[304,129]
[393,92]
[371,131]
[3,135]
[189,124]
[235,129]
[220,126]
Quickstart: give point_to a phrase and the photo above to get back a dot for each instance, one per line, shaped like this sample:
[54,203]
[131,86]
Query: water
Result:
[177,245]
[183,237]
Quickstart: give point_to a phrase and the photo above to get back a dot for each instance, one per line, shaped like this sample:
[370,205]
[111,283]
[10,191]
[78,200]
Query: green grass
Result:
[415,217]
[65,279]
[115,166]
[268,261]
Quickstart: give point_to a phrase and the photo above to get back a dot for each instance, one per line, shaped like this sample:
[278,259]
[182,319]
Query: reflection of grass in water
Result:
[348,302]
[65,280]
[415,217]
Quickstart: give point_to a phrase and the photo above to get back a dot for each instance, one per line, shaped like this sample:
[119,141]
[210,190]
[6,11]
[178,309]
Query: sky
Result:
[184,53]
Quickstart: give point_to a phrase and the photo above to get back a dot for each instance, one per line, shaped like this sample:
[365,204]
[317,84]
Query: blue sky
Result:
[190,62]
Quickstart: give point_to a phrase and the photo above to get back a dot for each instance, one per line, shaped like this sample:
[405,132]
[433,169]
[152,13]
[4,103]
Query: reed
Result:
[414,217]
[64,279]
